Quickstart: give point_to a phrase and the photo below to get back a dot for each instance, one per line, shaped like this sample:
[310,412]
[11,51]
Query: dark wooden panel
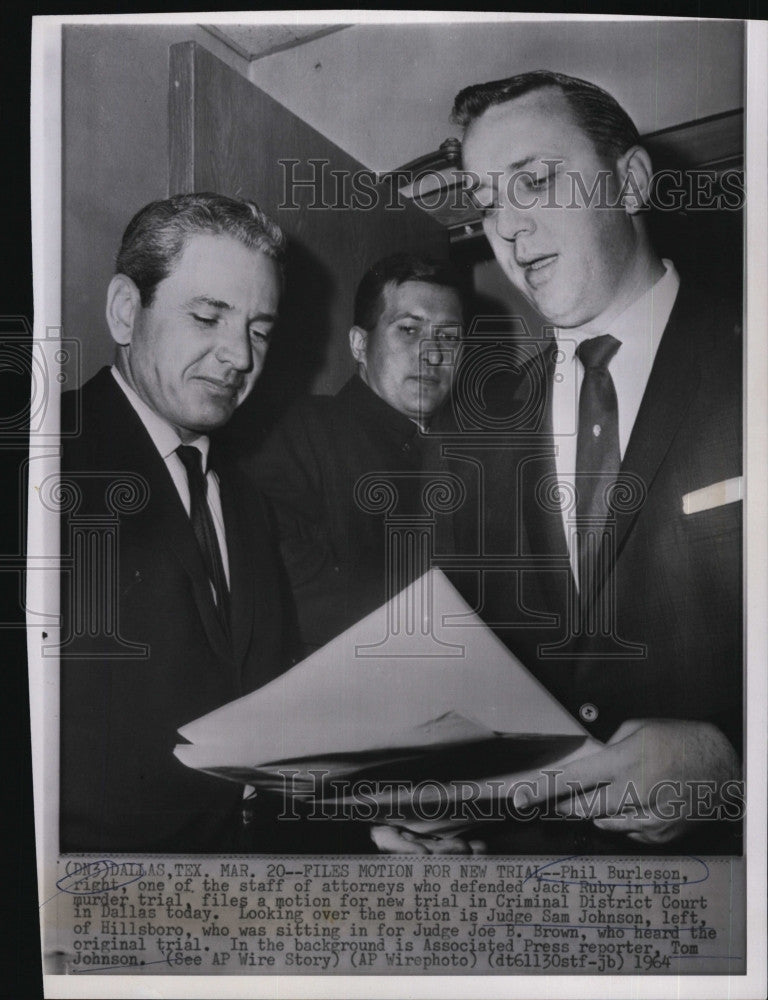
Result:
[715,142]
[241,136]
[181,118]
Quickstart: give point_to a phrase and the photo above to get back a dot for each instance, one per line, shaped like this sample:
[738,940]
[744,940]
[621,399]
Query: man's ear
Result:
[635,171]
[123,302]
[358,342]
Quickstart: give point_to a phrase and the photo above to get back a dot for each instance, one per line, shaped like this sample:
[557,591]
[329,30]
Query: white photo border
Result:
[43,583]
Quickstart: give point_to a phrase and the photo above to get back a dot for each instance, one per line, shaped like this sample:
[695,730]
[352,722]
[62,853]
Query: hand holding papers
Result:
[420,692]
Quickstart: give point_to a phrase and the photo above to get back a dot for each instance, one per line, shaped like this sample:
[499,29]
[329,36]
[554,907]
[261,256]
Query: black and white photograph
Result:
[396,546]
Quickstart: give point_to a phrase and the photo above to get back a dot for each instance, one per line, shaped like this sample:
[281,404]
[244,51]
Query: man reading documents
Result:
[649,400]
[191,616]
[619,481]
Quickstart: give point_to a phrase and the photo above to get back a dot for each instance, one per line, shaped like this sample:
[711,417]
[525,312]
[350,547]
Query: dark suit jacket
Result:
[332,546]
[674,648]
[121,787]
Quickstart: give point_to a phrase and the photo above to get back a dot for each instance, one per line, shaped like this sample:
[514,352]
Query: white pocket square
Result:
[716,495]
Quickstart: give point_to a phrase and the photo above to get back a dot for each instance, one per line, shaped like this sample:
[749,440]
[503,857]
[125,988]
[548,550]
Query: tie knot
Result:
[597,352]
[191,459]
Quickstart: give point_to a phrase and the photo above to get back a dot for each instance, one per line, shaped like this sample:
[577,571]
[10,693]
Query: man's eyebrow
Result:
[491,178]
[207,300]
[419,317]
[526,160]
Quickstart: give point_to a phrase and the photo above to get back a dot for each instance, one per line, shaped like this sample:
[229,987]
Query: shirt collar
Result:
[164,437]
[646,317]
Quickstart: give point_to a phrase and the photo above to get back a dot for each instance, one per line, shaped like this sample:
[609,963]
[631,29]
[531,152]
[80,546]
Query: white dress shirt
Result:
[166,440]
[639,329]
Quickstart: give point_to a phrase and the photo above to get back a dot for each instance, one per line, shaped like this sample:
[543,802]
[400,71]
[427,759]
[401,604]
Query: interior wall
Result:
[115,158]
[384,92]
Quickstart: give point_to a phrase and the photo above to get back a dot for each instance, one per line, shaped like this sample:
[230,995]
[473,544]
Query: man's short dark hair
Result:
[600,116]
[157,234]
[396,270]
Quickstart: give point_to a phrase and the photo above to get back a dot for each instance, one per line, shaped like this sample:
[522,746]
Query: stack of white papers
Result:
[421,687]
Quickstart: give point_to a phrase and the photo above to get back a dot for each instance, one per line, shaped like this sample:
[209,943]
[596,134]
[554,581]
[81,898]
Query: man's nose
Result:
[511,222]
[234,349]
[433,353]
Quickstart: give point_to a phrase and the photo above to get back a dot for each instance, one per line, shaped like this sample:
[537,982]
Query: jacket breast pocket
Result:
[717,522]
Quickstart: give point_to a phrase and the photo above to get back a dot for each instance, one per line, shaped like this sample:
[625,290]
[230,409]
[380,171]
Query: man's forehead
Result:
[213,262]
[200,247]
[531,124]
[417,296]
[418,301]
[545,102]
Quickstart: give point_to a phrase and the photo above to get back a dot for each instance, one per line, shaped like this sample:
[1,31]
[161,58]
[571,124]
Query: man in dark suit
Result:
[336,467]
[603,472]
[636,414]
[179,612]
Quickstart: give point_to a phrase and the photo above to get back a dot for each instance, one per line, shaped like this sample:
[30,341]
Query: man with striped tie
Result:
[183,614]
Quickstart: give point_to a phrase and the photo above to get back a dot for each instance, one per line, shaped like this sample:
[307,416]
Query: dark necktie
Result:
[205,532]
[598,458]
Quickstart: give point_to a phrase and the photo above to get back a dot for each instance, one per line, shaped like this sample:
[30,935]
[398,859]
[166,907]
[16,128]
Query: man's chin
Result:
[430,394]
[210,419]
[559,314]
[423,410]
[547,304]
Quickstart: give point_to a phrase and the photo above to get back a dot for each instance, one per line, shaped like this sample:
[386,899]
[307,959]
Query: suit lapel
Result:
[671,388]
[164,518]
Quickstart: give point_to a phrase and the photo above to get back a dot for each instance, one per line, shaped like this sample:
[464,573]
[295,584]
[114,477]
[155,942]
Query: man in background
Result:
[321,464]
[183,615]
